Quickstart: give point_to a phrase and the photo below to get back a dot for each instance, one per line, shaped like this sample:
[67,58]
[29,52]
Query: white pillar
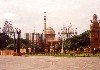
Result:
[62,51]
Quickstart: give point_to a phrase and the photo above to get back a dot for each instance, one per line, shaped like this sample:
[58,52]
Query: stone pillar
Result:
[51,48]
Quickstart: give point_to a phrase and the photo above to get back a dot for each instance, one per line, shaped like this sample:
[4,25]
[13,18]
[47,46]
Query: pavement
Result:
[49,63]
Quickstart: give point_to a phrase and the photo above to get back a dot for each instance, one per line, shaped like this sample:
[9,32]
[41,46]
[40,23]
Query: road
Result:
[49,63]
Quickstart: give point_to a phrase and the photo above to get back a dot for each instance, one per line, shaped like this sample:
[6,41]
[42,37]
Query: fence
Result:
[6,52]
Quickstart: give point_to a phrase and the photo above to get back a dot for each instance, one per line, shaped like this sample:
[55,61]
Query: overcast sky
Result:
[27,14]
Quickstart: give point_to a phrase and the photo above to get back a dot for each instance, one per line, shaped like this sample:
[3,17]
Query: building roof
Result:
[50,30]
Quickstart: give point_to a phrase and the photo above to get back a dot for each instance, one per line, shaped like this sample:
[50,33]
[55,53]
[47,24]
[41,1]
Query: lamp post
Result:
[18,39]
[67,33]
[62,46]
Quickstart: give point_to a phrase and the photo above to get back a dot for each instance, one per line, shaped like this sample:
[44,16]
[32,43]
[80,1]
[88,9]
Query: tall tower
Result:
[45,41]
[95,33]
[45,26]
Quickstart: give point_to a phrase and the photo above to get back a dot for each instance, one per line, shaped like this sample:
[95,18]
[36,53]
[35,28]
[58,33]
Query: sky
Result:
[28,14]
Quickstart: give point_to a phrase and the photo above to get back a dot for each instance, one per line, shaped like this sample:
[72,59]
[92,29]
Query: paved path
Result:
[49,63]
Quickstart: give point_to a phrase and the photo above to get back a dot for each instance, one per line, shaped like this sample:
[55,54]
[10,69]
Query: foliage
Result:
[80,41]
[5,40]
[10,46]
[57,47]
[23,43]
[67,44]
[8,43]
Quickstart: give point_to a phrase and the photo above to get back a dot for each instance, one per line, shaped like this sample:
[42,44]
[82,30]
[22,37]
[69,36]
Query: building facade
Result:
[50,34]
[95,33]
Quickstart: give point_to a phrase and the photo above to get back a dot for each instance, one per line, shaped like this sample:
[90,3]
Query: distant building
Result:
[95,33]
[49,37]
[50,34]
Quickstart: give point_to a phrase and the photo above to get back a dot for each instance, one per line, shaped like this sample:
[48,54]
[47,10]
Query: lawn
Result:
[66,55]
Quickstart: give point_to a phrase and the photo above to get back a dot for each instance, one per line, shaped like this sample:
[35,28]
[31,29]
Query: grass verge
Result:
[64,55]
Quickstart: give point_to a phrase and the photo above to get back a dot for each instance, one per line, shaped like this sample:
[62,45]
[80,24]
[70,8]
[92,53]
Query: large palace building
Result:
[50,33]
[49,37]
[95,33]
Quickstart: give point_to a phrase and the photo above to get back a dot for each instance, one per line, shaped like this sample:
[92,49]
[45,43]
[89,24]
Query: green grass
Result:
[64,55]
[87,55]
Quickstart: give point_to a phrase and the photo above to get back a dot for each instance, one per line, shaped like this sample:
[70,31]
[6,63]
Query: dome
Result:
[50,30]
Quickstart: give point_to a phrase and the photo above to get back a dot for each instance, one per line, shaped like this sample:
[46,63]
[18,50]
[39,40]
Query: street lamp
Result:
[67,32]
[18,39]
[62,42]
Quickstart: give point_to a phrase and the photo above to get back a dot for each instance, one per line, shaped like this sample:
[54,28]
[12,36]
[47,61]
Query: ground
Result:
[49,63]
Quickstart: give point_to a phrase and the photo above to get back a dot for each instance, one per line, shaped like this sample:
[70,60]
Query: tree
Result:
[10,46]
[23,43]
[84,40]
[5,40]
[67,45]
[80,41]
[57,47]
